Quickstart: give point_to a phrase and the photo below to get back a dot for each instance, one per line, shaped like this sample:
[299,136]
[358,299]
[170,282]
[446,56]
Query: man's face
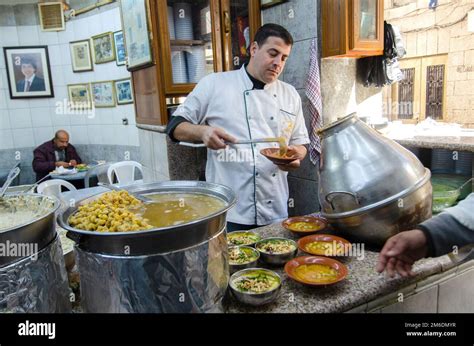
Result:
[62,141]
[269,59]
[28,70]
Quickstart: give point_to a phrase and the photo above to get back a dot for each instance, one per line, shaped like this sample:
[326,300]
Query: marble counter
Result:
[362,285]
[462,143]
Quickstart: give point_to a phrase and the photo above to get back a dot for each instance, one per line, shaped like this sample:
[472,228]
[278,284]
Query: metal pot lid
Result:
[360,168]
[157,240]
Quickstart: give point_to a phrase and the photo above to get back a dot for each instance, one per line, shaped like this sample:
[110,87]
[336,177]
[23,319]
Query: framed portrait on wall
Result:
[135,24]
[120,53]
[103,47]
[81,56]
[79,96]
[103,94]
[28,72]
[269,3]
[123,91]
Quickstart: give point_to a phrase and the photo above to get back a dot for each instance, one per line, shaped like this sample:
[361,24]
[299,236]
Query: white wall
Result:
[29,122]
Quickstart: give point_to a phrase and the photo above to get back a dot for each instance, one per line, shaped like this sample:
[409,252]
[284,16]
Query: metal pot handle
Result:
[354,195]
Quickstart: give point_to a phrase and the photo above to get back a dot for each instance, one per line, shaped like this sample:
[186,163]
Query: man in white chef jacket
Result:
[247,104]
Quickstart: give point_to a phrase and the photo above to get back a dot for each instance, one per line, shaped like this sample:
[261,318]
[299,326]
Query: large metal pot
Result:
[370,187]
[33,279]
[183,268]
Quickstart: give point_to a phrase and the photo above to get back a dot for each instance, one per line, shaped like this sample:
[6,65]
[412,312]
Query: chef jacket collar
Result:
[257,84]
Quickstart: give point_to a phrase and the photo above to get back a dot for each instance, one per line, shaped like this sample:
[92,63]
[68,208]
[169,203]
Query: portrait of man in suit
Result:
[31,81]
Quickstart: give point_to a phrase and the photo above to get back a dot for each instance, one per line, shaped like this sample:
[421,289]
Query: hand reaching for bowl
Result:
[401,251]
[299,153]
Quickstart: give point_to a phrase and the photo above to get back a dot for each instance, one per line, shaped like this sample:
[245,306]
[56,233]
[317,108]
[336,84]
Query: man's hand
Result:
[73,163]
[401,251]
[299,152]
[62,164]
[214,138]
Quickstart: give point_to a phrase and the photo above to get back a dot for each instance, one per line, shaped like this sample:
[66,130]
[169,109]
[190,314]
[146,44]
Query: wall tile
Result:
[26,14]
[66,55]
[59,120]
[296,67]
[6,139]
[4,119]
[2,61]
[67,35]
[133,139]
[23,138]
[38,103]
[20,118]
[57,76]
[48,37]
[41,117]
[15,103]
[7,16]
[55,55]
[42,134]
[300,17]
[28,35]
[79,134]
[3,98]
[9,36]
[3,78]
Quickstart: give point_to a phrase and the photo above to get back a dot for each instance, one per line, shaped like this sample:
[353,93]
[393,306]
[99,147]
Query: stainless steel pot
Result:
[370,187]
[176,269]
[158,240]
[40,230]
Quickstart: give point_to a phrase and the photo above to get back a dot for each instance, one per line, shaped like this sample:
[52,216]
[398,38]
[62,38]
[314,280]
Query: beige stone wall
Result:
[442,31]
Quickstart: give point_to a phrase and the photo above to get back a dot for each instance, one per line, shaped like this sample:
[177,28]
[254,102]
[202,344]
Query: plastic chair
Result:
[124,172]
[98,173]
[53,187]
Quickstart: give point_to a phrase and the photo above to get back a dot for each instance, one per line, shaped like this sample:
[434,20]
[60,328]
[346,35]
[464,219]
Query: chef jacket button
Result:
[274,175]
[247,93]
[272,118]
[274,95]
[269,202]
[256,174]
[254,145]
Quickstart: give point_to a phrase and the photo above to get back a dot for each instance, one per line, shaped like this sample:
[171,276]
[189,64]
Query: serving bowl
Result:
[273,154]
[291,269]
[249,253]
[275,257]
[329,245]
[304,225]
[239,238]
[255,298]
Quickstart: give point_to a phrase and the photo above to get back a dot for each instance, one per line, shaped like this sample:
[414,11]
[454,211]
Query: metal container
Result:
[182,268]
[33,278]
[370,187]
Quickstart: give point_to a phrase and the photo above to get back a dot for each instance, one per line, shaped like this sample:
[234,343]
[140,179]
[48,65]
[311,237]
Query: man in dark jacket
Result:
[32,82]
[55,153]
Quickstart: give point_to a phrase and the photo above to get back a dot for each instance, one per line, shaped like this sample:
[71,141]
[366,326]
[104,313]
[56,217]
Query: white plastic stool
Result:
[53,187]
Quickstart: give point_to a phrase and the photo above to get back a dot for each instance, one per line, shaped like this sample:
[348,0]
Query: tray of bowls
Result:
[254,259]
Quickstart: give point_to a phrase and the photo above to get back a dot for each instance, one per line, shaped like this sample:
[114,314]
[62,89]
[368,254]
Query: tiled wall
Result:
[26,123]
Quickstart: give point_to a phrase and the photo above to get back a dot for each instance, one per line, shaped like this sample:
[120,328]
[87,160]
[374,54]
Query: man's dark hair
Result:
[28,61]
[272,30]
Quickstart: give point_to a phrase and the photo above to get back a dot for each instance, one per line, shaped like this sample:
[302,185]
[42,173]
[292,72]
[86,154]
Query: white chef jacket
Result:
[226,100]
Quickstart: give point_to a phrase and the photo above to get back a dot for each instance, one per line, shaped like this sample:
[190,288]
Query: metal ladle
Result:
[11,176]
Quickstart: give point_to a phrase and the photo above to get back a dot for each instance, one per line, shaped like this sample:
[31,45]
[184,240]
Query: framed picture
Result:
[135,24]
[81,56]
[103,94]
[269,3]
[123,91]
[120,53]
[28,72]
[79,96]
[103,47]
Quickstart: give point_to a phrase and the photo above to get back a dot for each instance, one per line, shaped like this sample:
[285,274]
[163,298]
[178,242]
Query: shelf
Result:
[187,42]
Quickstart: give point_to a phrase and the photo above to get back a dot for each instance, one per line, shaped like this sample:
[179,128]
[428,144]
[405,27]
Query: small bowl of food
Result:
[324,245]
[82,167]
[315,270]
[239,238]
[277,251]
[241,257]
[304,225]
[277,157]
[255,286]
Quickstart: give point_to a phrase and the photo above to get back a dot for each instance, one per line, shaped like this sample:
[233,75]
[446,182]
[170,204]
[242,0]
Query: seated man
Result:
[55,153]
